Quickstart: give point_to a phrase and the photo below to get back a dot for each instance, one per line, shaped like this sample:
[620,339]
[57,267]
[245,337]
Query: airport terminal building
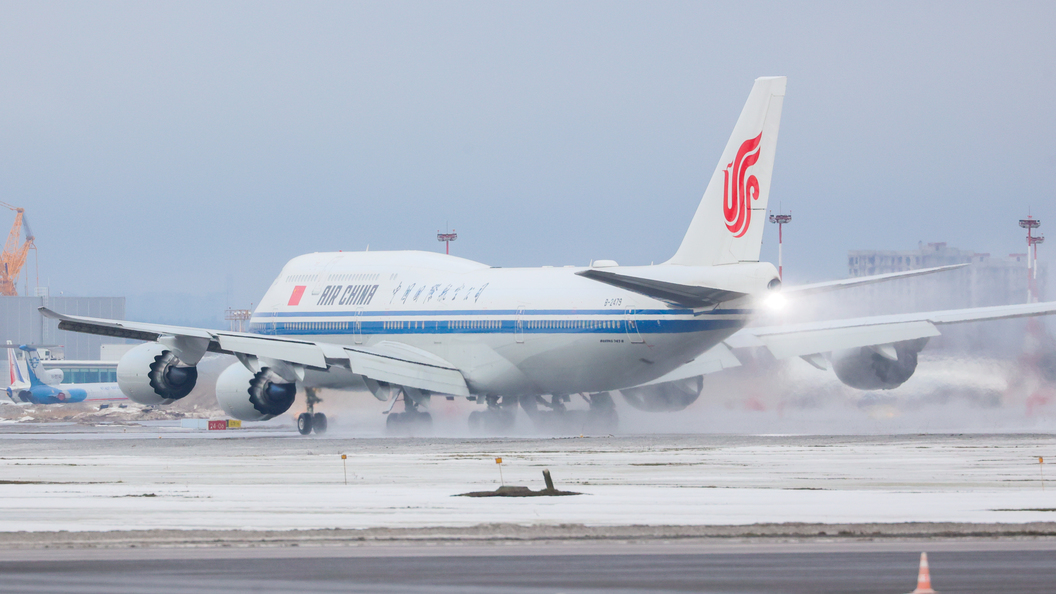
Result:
[21,323]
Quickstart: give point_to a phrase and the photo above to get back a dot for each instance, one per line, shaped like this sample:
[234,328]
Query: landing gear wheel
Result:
[408,423]
[412,420]
[319,423]
[602,415]
[304,423]
[310,419]
[499,418]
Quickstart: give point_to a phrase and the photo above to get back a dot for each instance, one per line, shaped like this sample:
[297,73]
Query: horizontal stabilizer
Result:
[846,283]
[684,295]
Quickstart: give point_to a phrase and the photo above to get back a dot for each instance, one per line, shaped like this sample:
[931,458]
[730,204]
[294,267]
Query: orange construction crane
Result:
[14,256]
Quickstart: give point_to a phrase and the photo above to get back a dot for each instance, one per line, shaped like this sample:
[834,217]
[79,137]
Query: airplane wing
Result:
[383,362]
[846,283]
[813,339]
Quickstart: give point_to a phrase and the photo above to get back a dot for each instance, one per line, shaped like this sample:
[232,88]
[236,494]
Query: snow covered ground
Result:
[163,478]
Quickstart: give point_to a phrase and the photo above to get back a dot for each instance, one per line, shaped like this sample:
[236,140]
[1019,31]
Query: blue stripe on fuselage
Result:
[500,312]
[496,326]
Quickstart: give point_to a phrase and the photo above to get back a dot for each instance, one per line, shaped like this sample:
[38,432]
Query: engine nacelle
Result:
[53,376]
[866,369]
[253,396]
[665,397]
[151,374]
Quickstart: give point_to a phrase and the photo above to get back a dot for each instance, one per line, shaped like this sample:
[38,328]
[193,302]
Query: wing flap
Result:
[404,365]
[300,352]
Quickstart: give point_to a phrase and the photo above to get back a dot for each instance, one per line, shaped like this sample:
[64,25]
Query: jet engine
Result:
[665,397]
[251,396]
[152,374]
[54,376]
[869,368]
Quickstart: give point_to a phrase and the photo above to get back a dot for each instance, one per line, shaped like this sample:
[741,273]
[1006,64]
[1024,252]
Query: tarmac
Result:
[153,507]
[961,566]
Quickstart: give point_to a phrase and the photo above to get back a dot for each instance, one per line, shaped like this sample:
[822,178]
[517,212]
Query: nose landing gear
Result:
[311,421]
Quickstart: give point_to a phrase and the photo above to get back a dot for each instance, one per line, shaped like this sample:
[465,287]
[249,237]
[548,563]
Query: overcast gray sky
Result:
[194,148]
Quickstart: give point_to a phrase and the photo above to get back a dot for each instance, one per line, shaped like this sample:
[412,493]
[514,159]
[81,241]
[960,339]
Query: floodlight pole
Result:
[781,220]
[1030,224]
[447,238]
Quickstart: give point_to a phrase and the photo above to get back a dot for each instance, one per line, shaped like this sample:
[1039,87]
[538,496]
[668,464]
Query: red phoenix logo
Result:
[738,189]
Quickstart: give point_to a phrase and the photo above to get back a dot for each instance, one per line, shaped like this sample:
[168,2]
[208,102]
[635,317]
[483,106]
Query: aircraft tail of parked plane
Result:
[18,375]
[29,383]
[721,231]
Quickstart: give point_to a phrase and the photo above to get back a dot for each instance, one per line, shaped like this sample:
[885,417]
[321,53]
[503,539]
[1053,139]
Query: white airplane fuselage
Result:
[512,331]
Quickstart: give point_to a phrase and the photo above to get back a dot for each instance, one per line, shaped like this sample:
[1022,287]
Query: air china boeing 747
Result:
[411,325]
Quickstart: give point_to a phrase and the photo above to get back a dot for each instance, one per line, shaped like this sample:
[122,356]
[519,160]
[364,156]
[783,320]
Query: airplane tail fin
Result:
[11,365]
[33,366]
[728,225]
[20,376]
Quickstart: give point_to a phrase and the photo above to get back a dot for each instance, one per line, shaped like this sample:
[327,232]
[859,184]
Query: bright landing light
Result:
[775,302]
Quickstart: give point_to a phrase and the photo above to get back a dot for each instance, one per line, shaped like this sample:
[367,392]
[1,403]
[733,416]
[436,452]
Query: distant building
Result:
[985,281]
[21,323]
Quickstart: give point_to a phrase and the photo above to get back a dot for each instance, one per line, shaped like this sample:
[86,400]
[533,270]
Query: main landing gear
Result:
[498,418]
[601,417]
[311,420]
[411,420]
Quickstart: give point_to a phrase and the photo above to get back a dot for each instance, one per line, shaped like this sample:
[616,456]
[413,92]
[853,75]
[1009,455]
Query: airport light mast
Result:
[1030,224]
[781,220]
[447,238]
[237,318]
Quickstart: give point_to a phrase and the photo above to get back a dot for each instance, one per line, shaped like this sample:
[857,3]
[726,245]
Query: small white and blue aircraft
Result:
[409,325]
[32,384]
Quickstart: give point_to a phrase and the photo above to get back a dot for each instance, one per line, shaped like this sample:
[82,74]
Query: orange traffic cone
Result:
[923,577]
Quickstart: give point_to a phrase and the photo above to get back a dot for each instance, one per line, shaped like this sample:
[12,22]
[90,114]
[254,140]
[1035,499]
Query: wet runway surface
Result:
[107,510]
[1023,571]
[165,478]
